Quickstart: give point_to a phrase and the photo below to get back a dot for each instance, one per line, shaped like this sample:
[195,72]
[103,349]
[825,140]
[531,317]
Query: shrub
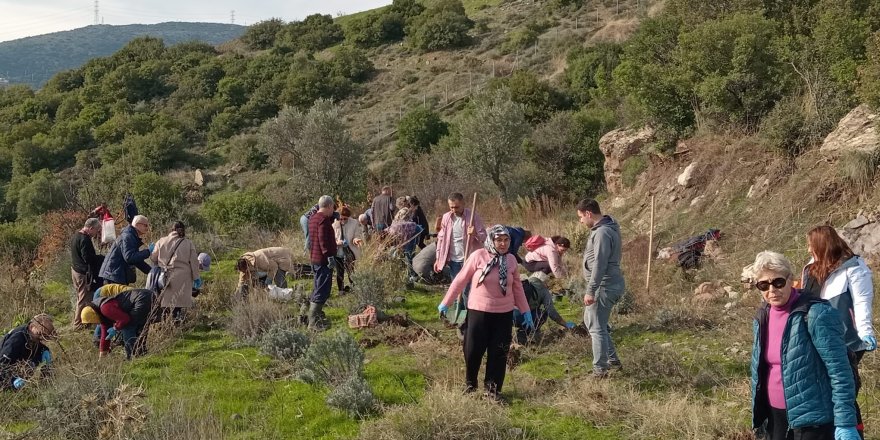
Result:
[331,359]
[262,35]
[231,211]
[418,130]
[284,343]
[443,25]
[538,98]
[375,28]
[526,37]
[252,317]
[353,396]
[42,193]
[373,281]
[859,168]
[869,74]
[783,128]
[632,169]
[157,198]
[19,242]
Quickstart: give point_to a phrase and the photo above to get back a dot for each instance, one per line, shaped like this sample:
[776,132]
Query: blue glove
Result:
[345,243]
[197,284]
[527,320]
[18,383]
[570,325]
[151,246]
[47,357]
[850,433]
[870,343]
[111,333]
[442,308]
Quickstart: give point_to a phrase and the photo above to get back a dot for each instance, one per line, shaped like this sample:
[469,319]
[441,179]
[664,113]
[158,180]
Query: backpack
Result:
[157,279]
[534,242]
[532,297]
[129,207]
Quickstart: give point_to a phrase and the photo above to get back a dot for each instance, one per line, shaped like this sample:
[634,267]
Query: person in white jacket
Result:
[842,278]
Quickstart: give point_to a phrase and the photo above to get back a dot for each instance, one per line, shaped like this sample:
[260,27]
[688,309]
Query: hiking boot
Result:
[494,397]
[599,373]
[615,365]
[470,389]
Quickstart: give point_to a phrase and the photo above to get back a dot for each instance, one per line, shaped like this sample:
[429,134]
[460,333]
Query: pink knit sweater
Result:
[487,297]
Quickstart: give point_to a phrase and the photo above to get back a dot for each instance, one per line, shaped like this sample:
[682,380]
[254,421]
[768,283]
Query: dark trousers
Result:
[537,266]
[777,429]
[854,359]
[343,265]
[323,283]
[487,332]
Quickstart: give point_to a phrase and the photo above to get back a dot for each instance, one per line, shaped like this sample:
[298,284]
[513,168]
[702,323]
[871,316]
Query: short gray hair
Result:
[769,261]
[326,202]
[138,219]
[92,223]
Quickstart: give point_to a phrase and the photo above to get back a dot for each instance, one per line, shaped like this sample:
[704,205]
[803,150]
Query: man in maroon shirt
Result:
[322,249]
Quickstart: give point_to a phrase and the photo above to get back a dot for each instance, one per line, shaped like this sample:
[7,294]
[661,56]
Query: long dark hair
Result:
[829,250]
[180,228]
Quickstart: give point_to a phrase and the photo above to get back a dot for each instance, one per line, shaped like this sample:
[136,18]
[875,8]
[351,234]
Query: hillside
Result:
[33,60]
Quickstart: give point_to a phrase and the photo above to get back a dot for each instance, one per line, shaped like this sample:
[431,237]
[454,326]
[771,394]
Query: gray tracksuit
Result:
[601,266]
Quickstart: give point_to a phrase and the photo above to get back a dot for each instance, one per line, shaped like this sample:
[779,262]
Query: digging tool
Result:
[460,308]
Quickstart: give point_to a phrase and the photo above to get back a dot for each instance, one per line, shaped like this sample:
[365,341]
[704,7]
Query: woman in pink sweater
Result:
[495,291]
[547,257]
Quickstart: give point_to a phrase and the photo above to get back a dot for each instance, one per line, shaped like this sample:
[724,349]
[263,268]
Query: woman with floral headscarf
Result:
[495,291]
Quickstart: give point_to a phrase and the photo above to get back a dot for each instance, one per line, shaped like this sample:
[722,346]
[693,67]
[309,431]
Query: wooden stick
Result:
[467,243]
[650,248]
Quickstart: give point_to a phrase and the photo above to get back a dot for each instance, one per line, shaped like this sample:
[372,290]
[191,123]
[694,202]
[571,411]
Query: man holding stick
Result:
[461,231]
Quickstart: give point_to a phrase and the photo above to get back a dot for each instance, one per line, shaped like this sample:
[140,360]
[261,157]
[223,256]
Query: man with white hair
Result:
[126,254]
[322,250]
[85,264]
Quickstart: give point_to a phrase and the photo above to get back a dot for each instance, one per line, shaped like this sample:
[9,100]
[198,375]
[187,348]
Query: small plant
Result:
[632,168]
[859,168]
[284,343]
[252,317]
[353,396]
[332,359]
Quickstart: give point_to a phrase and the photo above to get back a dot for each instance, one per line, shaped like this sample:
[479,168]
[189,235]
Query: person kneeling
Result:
[23,349]
[541,304]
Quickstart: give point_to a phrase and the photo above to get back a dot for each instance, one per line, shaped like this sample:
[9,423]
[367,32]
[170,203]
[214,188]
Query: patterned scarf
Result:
[498,259]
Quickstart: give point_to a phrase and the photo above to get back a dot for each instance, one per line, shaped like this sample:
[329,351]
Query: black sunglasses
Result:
[778,283]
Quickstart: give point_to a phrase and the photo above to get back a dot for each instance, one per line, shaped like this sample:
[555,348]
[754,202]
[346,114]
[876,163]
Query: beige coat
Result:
[267,260]
[182,267]
[352,230]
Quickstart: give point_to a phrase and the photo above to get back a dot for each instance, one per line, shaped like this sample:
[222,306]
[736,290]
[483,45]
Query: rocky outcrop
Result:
[857,131]
[619,145]
[684,179]
[863,235]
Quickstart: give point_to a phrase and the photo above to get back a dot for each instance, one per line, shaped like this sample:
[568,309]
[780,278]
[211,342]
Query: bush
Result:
[42,193]
[19,242]
[632,169]
[332,359]
[353,396]
[443,25]
[526,37]
[262,35]
[538,98]
[284,343]
[418,130]
[373,281]
[252,317]
[157,198]
[231,211]
[858,168]
[783,128]
[869,74]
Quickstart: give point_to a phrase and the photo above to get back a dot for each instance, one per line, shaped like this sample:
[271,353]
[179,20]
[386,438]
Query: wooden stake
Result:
[650,248]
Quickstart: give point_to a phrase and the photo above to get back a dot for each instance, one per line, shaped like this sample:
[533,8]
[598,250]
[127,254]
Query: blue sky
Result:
[24,18]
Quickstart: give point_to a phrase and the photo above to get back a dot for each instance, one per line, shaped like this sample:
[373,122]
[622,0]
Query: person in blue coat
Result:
[126,252]
[802,382]
[23,349]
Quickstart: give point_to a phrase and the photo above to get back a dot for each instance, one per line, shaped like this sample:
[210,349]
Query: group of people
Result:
[809,341]
[809,337]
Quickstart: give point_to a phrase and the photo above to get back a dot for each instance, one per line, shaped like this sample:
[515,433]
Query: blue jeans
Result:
[304,224]
[130,335]
[454,268]
[323,283]
[596,318]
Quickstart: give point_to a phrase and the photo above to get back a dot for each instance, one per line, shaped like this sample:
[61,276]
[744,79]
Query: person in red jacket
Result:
[322,253]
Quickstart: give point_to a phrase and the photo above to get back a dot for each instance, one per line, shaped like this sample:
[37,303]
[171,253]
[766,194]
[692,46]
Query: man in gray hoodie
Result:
[605,284]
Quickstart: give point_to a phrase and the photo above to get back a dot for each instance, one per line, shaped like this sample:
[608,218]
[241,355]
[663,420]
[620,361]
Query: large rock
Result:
[684,179]
[863,236]
[857,131]
[619,145]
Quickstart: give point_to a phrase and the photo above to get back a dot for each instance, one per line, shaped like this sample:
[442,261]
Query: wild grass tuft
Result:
[859,168]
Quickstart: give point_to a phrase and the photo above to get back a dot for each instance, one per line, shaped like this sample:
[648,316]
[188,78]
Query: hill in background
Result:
[33,60]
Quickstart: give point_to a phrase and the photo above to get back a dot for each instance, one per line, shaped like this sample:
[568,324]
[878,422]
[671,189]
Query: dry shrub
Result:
[178,422]
[255,315]
[858,168]
[443,415]
[374,278]
[92,406]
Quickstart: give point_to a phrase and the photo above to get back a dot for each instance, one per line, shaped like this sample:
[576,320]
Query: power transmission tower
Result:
[96,12]
[232,16]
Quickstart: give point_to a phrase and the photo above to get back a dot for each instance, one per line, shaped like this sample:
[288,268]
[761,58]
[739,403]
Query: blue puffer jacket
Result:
[816,375]
[123,254]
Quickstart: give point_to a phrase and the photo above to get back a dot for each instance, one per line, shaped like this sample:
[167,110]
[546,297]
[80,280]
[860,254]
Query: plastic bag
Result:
[279,293]
[108,230]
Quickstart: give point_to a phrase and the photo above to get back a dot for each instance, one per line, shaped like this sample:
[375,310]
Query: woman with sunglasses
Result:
[802,383]
[495,291]
[842,278]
